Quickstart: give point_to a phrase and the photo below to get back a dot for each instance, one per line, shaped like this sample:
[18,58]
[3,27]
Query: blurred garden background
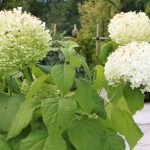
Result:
[85,14]
[58,90]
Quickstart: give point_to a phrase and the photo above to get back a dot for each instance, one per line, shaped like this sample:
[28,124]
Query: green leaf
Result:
[77,60]
[68,48]
[3,144]
[117,3]
[15,142]
[69,44]
[106,49]
[98,105]
[85,66]
[88,98]
[114,93]
[134,98]
[46,69]
[8,109]
[122,104]
[23,118]
[99,77]
[39,140]
[63,76]
[27,74]
[35,86]
[12,83]
[85,134]
[67,108]
[88,134]
[34,141]
[37,71]
[84,95]
[112,141]
[124,124]
[57,143]
[58,114]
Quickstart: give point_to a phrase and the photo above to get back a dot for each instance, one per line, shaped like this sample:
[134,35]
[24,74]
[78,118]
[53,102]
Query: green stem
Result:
[10,86]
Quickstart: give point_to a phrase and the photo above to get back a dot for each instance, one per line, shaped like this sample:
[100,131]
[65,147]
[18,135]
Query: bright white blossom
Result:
[23,40]
[130,63]
[131,26]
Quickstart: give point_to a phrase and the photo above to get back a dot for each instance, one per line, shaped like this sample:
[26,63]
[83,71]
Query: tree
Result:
[64,13]
[93,13]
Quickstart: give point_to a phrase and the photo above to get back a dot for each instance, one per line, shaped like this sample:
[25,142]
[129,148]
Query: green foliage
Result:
[134,98]
[124,124]
[93,13]
[96,12]
[58,114]
[22,118]
[64,76]
[3,144]
[114,93]
[106,50]
[35,87]
[87,49]
[90,102]
[132,5]
[34,141]
[57,143]
[39,140]
[9,81]
[125,97]
[64,111]
[8,109]
[83,136]
[112,141]
[99,78]
[147,8]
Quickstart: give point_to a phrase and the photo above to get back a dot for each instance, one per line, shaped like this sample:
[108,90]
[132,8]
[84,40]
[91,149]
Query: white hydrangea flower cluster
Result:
[130,63]
[23,40]
[131,26]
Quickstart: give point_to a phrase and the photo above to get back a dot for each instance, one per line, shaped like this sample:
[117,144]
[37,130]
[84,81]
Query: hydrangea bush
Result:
[130,62]
[126,68]
[59,109]
[23,40]
[128,27]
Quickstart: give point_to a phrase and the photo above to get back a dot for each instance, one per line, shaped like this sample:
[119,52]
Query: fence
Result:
[97,38]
